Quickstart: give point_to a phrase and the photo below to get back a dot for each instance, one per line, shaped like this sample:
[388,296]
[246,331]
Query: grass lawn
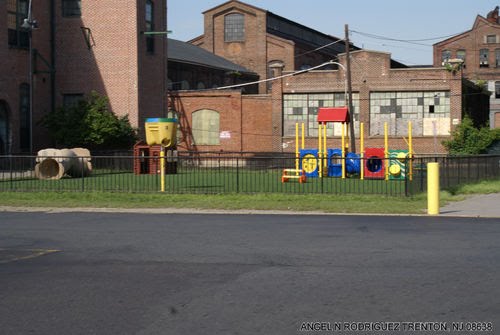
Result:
[209,181]
[328,203]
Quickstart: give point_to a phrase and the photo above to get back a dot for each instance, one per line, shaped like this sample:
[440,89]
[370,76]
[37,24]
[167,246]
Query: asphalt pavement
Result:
[134,273]
[482,205]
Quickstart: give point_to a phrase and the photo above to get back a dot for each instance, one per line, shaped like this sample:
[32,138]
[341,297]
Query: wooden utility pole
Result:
[349,91]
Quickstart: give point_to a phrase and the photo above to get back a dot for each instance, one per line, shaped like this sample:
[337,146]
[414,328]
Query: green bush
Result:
[469,140]
[90,124]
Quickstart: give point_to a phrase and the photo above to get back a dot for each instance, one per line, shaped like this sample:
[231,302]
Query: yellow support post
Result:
[325,151]
[362,150]
[303,136]
[386,151]
[410,150]
[162,169]
[343,150]
[297,153]
[320,145]
[433,188]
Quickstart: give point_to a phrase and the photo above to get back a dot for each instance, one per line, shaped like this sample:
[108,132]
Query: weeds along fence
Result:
[213,173]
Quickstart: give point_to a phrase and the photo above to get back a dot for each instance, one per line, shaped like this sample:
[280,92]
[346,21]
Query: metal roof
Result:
[183,52]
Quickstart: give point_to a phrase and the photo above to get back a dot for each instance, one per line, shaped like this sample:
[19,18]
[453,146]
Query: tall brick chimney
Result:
[493,16]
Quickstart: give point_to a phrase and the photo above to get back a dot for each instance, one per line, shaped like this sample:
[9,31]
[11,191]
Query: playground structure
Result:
[57,163]
[162,132]
[371,163]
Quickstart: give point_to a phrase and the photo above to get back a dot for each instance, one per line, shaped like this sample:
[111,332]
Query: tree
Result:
[469,140]
[90,124]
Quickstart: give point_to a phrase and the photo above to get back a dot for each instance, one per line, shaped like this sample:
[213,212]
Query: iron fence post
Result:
[10,168]
[82,173]
[406,176]
[237,175]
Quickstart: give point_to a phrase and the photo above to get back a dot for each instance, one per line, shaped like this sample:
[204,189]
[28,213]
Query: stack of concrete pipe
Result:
[56,163]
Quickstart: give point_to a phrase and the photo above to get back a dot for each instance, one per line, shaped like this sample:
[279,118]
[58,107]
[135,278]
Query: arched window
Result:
[234,27]
[24,117]
[4,129]
[206,124]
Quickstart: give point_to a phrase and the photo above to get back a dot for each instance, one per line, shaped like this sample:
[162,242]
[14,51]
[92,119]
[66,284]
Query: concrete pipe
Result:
[54,163]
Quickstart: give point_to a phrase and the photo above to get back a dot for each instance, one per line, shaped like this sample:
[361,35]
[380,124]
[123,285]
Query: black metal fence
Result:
[457,170]
[242,173]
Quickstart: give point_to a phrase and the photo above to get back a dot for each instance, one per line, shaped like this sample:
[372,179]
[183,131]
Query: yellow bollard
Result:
[162,169]
[433,188]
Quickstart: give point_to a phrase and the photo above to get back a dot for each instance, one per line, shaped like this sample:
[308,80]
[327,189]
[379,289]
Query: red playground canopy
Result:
[333,114]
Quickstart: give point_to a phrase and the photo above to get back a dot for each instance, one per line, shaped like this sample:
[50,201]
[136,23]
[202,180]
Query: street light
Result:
[29,24]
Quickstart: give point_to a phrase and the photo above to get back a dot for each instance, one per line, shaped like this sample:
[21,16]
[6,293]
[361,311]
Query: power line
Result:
[275,78]
[410,41]
[317,49]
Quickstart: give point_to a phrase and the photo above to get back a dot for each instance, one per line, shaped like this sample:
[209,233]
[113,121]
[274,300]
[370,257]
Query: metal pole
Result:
[31,88]
[30,24]
[165,63]
[349,88]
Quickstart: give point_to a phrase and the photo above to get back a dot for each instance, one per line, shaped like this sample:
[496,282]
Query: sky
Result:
[422,22]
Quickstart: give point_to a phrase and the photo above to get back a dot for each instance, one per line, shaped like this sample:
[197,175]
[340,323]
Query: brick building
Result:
[78,46]
[431,98]
[83,46]
[479,49]
[256,38]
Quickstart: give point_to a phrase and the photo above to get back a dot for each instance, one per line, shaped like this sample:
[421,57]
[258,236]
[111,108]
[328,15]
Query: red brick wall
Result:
[246,118]
[108,67]
[250,53]
[259,47]
[257,123]
[117,65]
[14,71]
[282,50]
[472,41]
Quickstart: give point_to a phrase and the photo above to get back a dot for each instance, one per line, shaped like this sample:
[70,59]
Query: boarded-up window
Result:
[206,124]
